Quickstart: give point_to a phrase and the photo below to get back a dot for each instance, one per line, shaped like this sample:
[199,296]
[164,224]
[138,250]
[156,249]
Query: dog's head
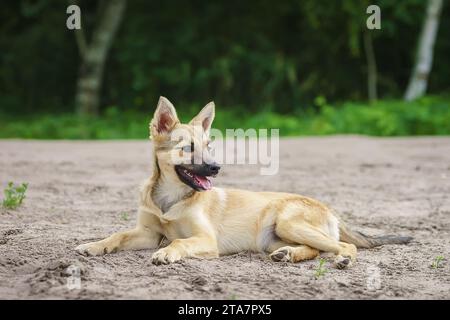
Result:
[183,150]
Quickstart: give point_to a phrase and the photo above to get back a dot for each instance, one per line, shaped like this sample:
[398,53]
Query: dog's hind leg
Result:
[299,231]
[134,239]
[284,252]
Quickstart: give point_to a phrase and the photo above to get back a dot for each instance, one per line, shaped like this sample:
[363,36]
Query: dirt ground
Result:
[84,191]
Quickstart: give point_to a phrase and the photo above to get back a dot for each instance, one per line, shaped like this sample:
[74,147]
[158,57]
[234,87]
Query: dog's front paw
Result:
[165,256]
[91,249]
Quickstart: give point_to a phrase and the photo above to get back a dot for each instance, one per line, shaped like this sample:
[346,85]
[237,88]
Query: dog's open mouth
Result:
[192,179]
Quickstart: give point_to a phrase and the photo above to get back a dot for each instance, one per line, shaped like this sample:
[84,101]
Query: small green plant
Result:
[124,216]
[437,262]
[14,195]
[321,269]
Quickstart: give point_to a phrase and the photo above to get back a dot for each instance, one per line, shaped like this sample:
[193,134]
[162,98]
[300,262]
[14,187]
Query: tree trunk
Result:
[371,67]
[93,57]
[419,79]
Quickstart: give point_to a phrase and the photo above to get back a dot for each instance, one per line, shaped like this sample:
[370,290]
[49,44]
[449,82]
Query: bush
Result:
[427,116]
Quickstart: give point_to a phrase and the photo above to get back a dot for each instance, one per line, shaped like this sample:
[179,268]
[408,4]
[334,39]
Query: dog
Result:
[178,203]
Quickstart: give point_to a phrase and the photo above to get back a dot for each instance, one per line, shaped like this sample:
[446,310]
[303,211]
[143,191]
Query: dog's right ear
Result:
[164,119]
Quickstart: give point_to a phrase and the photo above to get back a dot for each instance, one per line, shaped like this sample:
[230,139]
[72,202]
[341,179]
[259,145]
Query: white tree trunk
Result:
[419,79]
[94,56]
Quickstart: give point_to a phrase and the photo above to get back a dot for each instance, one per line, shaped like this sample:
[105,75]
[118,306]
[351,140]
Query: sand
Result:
[83,191]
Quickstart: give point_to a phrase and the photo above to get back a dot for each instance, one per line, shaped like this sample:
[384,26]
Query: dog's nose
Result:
[214,168]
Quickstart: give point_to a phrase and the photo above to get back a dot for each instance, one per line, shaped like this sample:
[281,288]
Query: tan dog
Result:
[179,203]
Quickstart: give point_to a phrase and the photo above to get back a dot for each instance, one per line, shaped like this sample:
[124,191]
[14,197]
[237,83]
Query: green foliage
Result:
[280,56]
[125,216]
[321,269]
[437,262]
[14,195]
[427,116]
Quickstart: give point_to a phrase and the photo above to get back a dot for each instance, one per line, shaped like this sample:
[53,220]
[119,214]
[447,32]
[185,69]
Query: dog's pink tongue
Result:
[204,182]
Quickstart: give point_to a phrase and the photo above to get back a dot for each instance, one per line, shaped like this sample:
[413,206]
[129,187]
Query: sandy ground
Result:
[83,191]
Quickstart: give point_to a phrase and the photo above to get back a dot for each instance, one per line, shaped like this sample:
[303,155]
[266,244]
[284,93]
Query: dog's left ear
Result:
[205,117]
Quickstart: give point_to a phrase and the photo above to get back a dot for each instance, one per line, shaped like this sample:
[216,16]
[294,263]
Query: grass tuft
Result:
[14,195]
[321,270]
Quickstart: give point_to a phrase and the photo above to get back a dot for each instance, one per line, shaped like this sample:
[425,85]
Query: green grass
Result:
[125,216]
[14,195]
[437,262]
[426,116]
[321,270]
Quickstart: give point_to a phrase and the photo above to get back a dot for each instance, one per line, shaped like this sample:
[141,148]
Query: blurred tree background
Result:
[300,65]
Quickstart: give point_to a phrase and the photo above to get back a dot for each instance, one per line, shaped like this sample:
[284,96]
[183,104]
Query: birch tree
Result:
[94,54]
[424,58]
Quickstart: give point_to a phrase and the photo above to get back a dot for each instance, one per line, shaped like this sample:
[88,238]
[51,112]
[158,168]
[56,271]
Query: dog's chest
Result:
[180,222]
[165,196]
[175,230]
[165,200]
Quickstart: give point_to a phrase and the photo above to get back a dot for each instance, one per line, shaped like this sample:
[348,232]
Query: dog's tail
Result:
[363,241]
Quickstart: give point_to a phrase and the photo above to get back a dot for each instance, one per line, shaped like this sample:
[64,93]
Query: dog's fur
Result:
[218,221]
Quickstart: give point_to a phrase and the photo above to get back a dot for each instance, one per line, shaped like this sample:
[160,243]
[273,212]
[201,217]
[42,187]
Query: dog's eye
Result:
[188,148]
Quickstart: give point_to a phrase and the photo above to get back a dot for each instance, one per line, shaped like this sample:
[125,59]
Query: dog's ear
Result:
[205,117]
[164,119]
